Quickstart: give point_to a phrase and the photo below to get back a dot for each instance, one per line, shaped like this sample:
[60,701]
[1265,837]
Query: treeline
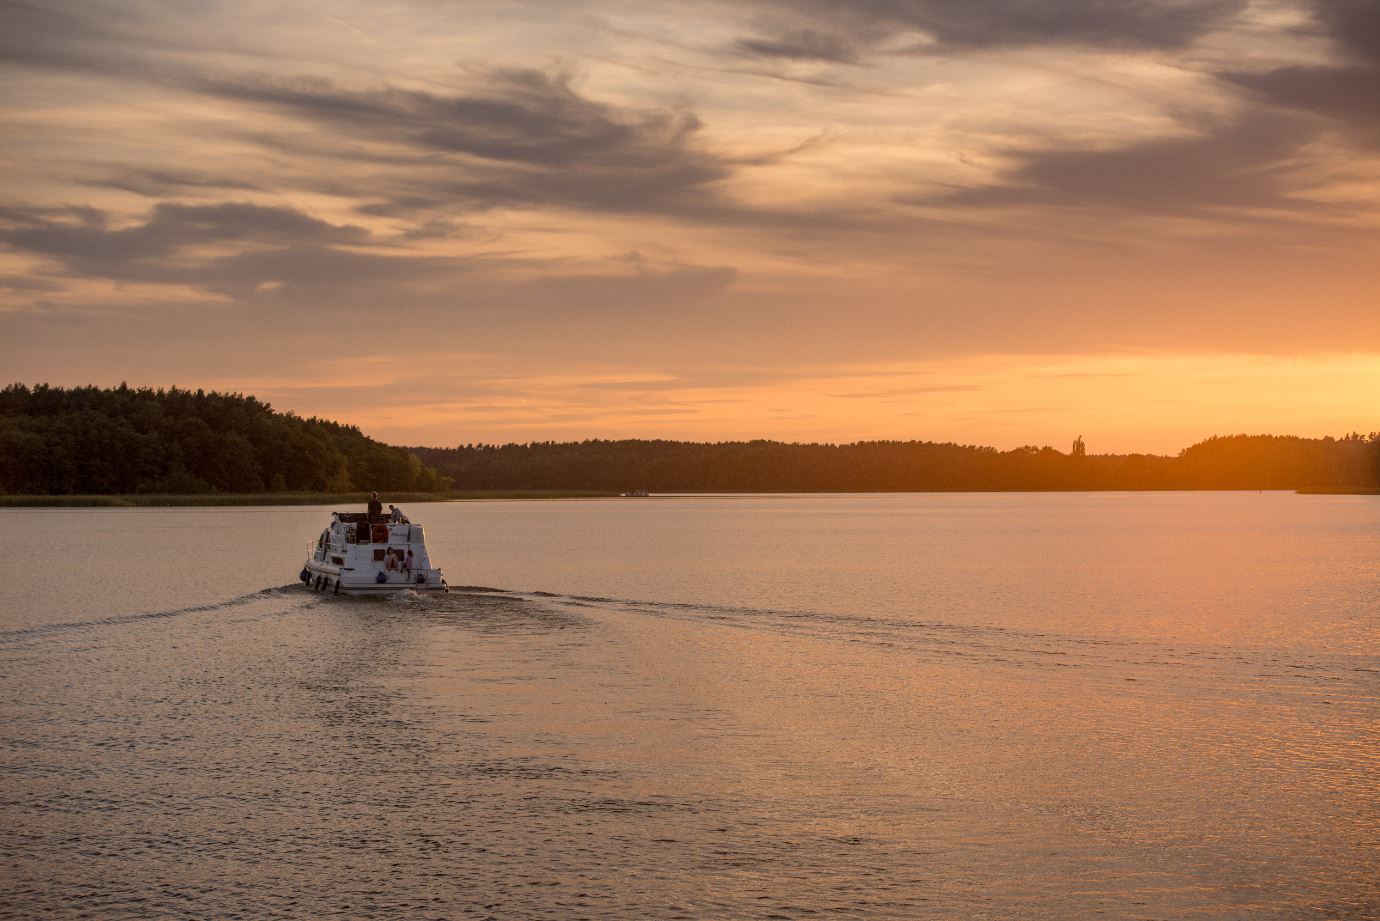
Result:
[87,440]
[90,441]
[1235,462]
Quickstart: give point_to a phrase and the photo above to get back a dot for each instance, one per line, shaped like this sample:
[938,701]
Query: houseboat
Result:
[361,554]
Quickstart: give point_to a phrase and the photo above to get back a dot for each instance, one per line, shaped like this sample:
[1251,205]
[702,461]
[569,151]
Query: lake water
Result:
[976,706]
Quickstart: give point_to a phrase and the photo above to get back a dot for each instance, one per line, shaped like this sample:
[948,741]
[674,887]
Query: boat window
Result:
[378,556]
[338,560]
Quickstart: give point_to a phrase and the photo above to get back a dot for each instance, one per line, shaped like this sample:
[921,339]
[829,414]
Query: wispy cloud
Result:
[1256,162]
[754,195]
[1342,91]
[841,32]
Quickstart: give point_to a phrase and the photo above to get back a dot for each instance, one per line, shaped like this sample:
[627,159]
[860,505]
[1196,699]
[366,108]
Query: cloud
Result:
[1263,158]
[525,139]
[1353,24]
[1250,163]
[445,229]
[524,117]
[36,34]
[1344,92]
[168,246]
[159,183]
[516,137]
[310,277]
[803,45]
[1345,95]
[643,129]
[838,31]
[27,284]
[512,137]
[282,258]
[110,37]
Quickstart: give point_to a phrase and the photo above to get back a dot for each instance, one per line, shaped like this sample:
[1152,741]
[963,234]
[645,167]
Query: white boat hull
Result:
[332,581]
[362,555]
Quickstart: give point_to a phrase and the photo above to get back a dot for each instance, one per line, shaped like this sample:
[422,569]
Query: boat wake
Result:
[24,634]
[1124,658]
[496,610]
[1131,659]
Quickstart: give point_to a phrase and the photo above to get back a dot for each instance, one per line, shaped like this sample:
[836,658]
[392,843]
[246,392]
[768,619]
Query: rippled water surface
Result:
[918,706]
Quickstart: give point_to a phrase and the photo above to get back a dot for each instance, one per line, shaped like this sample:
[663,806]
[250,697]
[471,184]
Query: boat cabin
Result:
[361,551]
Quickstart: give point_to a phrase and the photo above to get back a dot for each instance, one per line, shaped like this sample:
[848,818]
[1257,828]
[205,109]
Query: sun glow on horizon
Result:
[1128,403]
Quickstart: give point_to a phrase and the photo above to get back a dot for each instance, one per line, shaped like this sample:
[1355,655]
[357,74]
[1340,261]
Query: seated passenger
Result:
[395,515]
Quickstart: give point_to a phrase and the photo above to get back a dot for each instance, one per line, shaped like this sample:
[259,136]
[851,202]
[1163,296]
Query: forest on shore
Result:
[1350,463]
[57,441]
[87,441]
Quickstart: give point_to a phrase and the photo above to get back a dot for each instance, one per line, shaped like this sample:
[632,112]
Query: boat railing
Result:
[359,518]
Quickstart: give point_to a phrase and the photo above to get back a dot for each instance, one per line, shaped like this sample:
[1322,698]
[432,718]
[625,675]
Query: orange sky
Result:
[995,221]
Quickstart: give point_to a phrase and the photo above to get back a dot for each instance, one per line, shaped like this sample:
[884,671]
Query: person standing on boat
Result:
[395,514]
[375,506]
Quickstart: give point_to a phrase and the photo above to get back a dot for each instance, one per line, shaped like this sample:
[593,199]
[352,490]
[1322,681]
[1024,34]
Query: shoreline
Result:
[1324,491]
[213,500]
[220,500]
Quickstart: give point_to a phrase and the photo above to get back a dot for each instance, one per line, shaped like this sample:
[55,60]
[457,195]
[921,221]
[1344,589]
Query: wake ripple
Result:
[24,634]
[999,645]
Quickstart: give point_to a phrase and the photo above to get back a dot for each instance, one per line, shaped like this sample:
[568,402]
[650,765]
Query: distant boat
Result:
[635,494]
[361,554]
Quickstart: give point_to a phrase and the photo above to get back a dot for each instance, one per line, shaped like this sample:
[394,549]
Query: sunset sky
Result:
[1000,222]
